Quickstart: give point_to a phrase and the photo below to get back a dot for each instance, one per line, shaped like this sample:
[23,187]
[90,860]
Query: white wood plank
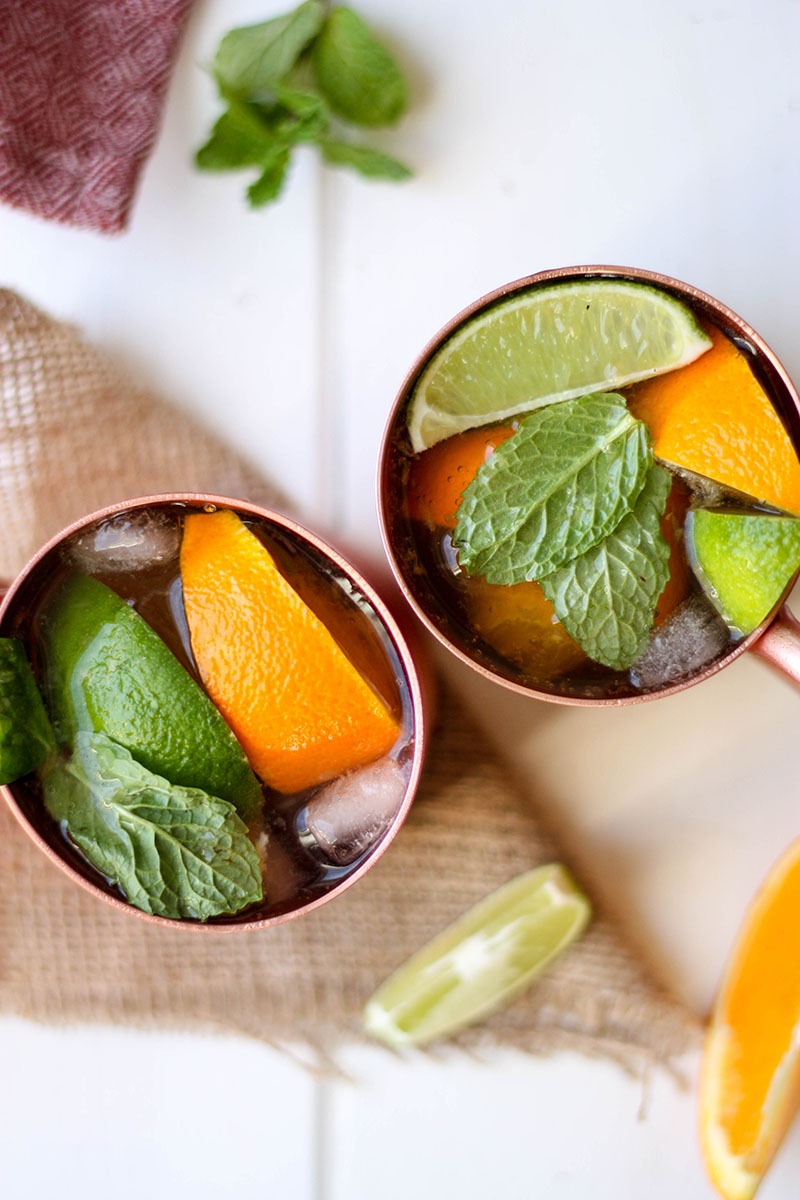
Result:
[555,1129]
[103,1112]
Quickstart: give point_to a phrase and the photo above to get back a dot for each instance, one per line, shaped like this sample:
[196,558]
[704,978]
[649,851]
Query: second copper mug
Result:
[777,638]
[330,586]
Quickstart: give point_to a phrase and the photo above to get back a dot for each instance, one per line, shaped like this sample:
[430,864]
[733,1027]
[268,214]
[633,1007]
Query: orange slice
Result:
[438,477]
[714,418]
[295,701]
[518,621]
[750,1082]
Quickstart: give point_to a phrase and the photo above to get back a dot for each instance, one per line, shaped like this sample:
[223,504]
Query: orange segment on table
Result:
[714,418]
[299,707]
[750,1085]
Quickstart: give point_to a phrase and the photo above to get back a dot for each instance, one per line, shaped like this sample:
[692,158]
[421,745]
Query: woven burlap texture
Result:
[66,957]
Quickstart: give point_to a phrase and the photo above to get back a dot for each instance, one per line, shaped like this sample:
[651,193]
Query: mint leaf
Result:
[606,598]
[371,163]
[252,59]
[271,180]
[174,851]
[560,484]
[26,737]
[356,73]
[239,139]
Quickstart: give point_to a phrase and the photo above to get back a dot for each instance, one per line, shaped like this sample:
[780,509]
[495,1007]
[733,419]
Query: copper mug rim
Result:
[409,667]
[776,639]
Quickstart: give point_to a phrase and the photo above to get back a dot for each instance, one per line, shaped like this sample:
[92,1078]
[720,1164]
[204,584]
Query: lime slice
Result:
[743,561]
[550,344]
[25,734]
[482,961]
[107,671]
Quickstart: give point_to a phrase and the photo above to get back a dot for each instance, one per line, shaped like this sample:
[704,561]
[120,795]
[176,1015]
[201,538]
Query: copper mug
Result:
[30,811]
[776,640]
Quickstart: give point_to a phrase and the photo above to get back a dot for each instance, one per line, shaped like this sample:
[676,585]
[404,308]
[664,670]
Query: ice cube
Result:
[348,815]
[691,637]
[126,542]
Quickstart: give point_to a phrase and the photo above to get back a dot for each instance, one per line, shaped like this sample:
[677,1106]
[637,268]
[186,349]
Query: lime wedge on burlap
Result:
[743,561]
[108,672]
[482,961]
[26,737]
[548,344]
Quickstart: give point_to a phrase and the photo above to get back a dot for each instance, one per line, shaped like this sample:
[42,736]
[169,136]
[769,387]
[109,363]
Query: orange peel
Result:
[298,706]
[750,1077]
[714,418]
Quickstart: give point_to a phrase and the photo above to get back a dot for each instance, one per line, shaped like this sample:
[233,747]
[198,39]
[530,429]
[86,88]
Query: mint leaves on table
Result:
[174,851]
[560,484]
[357,75]
[253,59]
[575,501]
[297,79]
[26,736]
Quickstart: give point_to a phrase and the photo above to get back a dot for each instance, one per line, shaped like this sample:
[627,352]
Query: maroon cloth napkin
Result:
[81,88]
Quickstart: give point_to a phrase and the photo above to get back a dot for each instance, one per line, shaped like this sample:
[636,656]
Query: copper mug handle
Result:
[779,645]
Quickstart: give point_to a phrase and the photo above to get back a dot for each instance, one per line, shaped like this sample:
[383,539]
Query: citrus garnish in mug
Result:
[546,345]
[299,707]
[554,452]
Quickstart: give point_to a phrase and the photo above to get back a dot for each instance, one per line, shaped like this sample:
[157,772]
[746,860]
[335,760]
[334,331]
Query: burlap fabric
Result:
[65,957]
[81,89]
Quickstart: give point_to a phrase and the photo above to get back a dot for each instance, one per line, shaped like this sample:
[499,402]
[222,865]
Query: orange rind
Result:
[299,707]
[750,1078]
[714,418]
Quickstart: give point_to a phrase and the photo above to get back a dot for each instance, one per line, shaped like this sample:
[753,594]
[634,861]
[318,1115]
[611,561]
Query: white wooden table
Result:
[663,135]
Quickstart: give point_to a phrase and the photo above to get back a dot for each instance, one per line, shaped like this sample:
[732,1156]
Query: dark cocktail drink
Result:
[588,487]
[227,731]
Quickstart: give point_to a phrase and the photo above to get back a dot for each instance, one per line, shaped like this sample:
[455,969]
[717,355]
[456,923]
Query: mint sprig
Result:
[174,851]
[302,79]
[606,597]
[575,501]
[565,480]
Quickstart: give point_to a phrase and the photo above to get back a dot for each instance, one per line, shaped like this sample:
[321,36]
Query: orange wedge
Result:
[714,418]
[750,1081]
[297,704]
[519,622]
[438,476]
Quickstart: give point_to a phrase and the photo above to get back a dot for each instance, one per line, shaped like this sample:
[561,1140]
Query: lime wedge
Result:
[107,671]
[25,734]
[550,344]
[744,562]
[482,961]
